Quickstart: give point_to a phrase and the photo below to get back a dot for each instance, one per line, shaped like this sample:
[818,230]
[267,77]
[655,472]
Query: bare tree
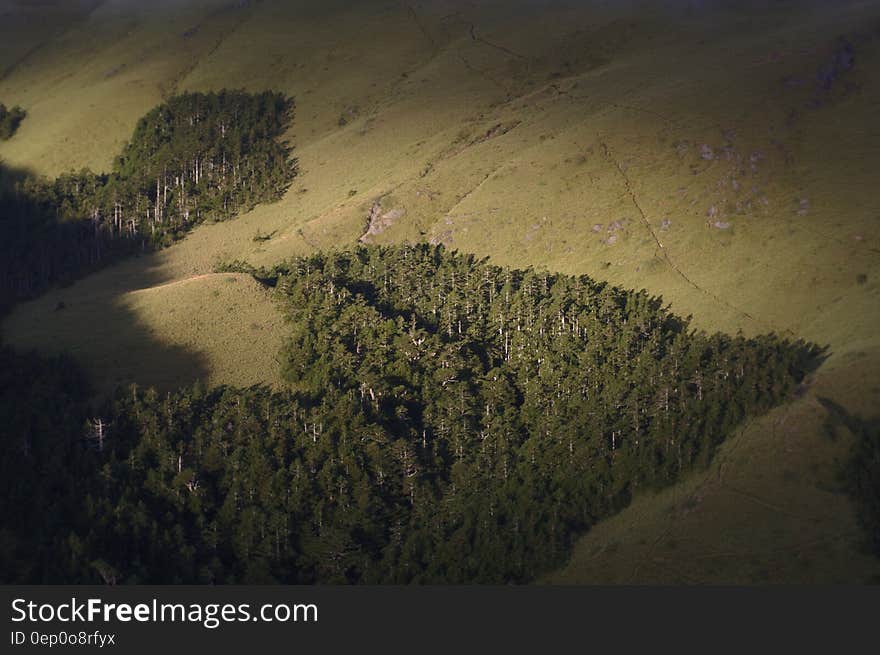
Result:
[98,432]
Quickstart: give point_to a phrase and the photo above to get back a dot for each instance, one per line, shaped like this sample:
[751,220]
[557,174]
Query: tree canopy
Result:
[197,157]
[445,420]
[10,119]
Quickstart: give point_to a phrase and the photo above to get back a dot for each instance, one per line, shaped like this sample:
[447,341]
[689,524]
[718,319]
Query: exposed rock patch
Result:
[379,220]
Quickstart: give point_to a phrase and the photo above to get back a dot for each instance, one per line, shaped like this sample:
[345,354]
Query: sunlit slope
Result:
[85,89]
[689,153]
[29,25]
[219,328]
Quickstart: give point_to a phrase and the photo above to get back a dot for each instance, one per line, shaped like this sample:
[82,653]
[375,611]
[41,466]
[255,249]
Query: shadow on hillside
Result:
[70,311]
[861,473]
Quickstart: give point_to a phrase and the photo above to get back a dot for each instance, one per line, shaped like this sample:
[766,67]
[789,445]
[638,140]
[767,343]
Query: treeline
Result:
[44,465]
[10,119]
[864,480]
[199,156]
[446,421]
[861,476]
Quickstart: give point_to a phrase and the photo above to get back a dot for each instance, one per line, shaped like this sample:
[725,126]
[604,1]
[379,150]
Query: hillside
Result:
[724,159]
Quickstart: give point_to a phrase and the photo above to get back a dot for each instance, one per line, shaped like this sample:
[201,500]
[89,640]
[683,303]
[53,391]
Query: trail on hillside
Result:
[170,87]
[184,280]
[485,74]
[610,158]
[479,39]
[415,18]
[30,52]
[474,189]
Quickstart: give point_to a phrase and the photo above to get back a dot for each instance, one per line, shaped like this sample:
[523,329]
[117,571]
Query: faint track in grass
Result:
[415,18]
[611,159]
[6,72]
[501,48]
[203,276]
[171,87]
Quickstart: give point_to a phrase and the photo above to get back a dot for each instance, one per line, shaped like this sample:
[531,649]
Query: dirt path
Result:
[184,280]
[609,157]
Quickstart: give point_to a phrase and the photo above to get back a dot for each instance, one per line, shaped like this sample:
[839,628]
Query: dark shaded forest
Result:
[10,119]
[861,477]
[200,156]
[446,421]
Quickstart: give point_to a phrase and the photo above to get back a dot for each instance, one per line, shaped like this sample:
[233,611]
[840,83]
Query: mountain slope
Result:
[723,159]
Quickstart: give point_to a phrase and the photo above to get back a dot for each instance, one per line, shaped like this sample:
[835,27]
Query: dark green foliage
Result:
[37,249]
[862,474]
[197,157]
[43,466]
[10,119]
[446,421]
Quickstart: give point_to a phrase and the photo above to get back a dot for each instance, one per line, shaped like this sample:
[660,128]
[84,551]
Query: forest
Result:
[10,119]
[199,156]
[445,420]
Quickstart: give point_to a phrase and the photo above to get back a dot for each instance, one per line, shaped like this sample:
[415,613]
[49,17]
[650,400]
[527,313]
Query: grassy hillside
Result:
[699,153]
[200,327]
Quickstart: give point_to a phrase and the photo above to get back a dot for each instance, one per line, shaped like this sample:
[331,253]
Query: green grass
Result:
[584,82]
